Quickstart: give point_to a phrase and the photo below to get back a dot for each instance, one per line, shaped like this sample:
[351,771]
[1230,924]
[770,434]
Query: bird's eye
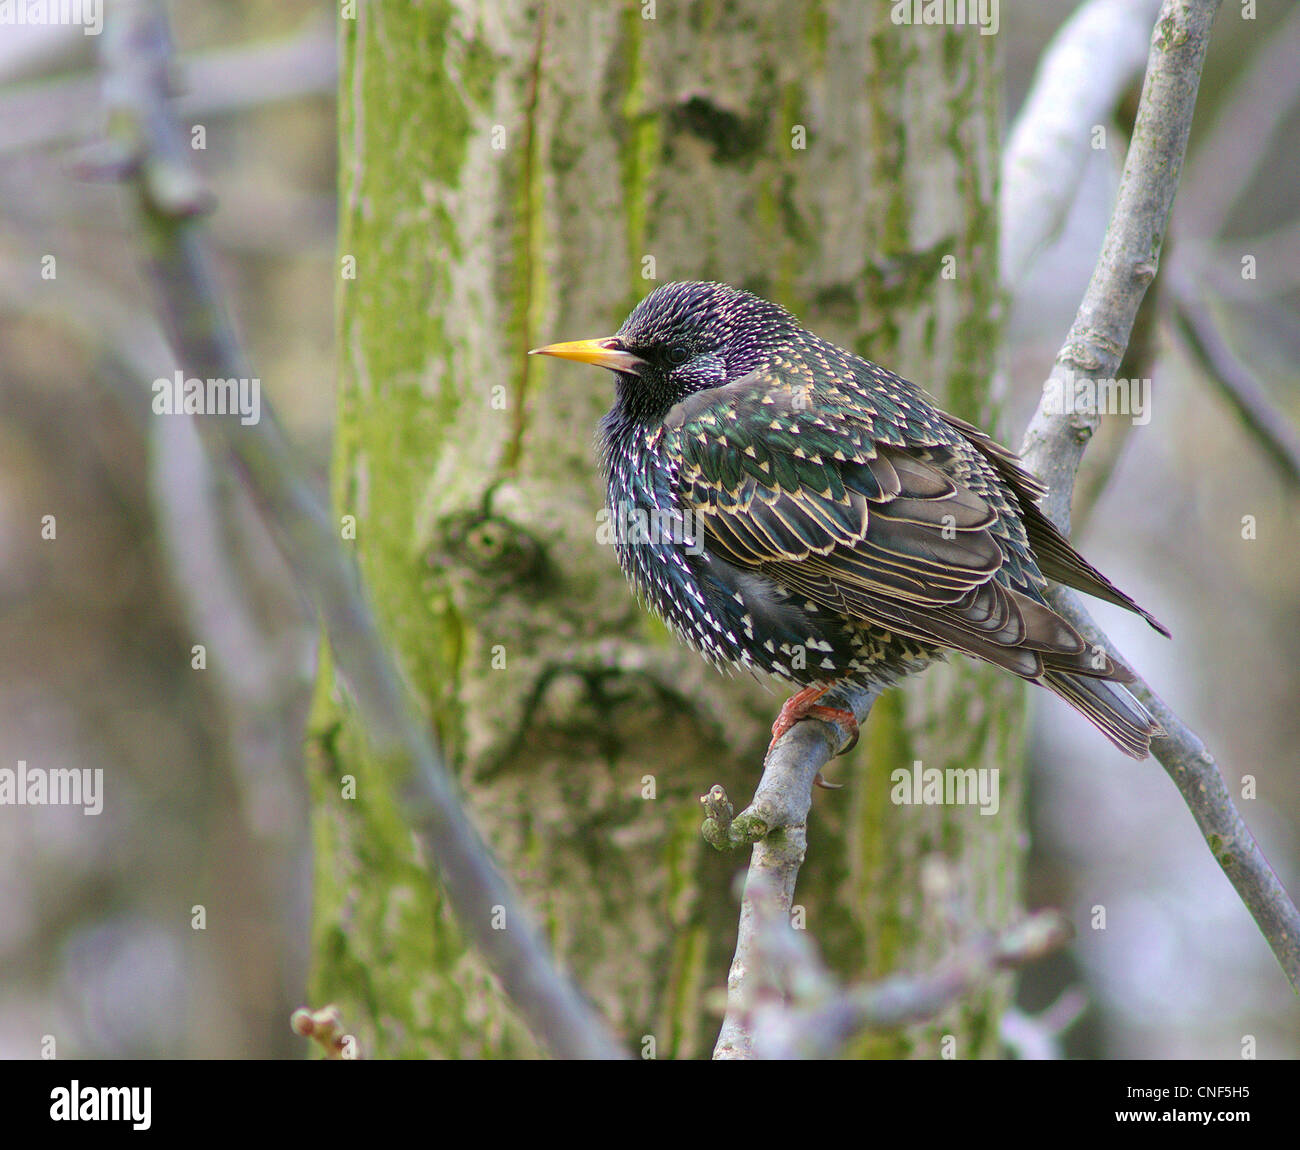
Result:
[678,354]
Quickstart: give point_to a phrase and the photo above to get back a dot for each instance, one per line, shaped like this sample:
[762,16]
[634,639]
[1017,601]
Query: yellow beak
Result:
[601,352]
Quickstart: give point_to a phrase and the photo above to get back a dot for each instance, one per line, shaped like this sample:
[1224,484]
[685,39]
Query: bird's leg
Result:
[803,705]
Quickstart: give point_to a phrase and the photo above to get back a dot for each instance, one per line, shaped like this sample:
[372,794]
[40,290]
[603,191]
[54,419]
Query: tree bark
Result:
[513,174]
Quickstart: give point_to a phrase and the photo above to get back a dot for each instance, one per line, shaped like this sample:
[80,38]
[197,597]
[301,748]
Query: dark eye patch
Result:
[678,354]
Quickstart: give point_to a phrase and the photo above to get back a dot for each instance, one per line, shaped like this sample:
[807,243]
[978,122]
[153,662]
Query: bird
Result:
[789,507]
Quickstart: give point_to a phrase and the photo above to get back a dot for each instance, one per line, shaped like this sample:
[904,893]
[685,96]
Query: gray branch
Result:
[788,1005]
[1269,426]
[1055,441]
[775,822]
[53,111]
[1196,775]
[148,147]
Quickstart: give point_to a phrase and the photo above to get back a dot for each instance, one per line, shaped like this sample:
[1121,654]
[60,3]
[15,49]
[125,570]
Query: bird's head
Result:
[680,339]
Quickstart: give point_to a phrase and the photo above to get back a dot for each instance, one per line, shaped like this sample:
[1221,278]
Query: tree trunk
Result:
[514,174]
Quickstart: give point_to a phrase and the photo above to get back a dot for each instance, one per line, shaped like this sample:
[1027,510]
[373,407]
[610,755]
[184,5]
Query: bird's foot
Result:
[803,705]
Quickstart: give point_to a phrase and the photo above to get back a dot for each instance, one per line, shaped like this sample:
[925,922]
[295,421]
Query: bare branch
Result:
[1196,775]
[905,999]
[1269,426]
[1038,1037]
[775,822]
[791,1006]
[137,55]
[53,111]
[1055,441]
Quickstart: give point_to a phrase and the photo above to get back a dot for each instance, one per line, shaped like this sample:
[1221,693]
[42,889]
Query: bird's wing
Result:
[839,510]
[1057,559]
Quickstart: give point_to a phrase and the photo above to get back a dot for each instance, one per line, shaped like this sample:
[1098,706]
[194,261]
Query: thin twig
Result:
[50,112]
[904,999]
[1196,775]
[793,1008]
[1269,426]
[1039,1037]
[137,55]
[1215,267]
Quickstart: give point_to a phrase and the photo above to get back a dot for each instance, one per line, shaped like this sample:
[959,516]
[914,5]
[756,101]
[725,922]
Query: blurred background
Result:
[98,945]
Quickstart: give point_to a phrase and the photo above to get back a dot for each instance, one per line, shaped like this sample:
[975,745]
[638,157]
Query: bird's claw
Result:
[803,705]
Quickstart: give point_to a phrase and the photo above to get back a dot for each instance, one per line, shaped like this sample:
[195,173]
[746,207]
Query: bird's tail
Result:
[1111,709]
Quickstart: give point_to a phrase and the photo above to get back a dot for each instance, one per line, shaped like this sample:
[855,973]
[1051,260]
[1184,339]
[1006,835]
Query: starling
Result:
[789,507]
